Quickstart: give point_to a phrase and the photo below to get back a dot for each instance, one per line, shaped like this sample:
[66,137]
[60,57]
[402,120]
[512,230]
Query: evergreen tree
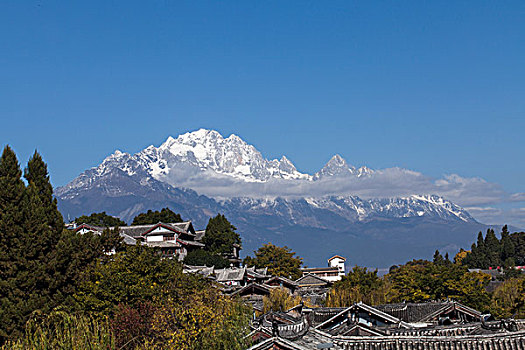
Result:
[100,219]
[12,190]
[35,258]
[507,248]
[220,236]
[153,217]
[201,257]
[111,240]
[492,249]
[518,239]
[438,258]
[36,174]
[481,255]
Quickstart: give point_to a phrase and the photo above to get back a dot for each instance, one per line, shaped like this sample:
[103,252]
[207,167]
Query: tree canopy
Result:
[360,284]
[489,251]
[100,219]
[202,257]
[219,240]
[280,261]
[220,236]
[153,217]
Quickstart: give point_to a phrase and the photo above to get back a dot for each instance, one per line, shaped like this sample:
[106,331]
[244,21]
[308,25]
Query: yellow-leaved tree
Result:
[204,320]
[280,299]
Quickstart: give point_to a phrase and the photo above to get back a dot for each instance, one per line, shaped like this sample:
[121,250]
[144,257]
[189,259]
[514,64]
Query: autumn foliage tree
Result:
[280,299]
[204,320]
[360,285]
[508,300]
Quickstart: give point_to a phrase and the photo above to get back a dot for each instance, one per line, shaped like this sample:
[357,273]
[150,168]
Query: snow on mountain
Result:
[351,208]
[337,166]
[270,200]
[204,153]
[208,150]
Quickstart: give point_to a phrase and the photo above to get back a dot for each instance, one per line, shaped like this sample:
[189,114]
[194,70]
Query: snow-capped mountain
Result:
[125,185]
[208,150]
[208,154]
[350,208]
[337,166]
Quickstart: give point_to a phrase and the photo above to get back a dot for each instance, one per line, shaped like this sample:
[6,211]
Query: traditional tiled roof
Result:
[253,288]
[127,239]
[279,280]
[185,226]
[230,274]
[333,323]
[163,244]
[349,333]
[261,271]
[199,235]
[496,341]
[422,312]
[310,280]
[202,270]
[193,243]
[139,230]
[277,343]
[134,231]
[257,273]
[320,314]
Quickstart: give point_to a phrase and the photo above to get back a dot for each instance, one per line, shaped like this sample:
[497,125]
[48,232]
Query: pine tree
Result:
[492,249]
[37,249]
[438,258]
[44,225]
[447,259]
[12,190]
[36,173]
[220,236]
[508,250]
[481,258]
[111,240]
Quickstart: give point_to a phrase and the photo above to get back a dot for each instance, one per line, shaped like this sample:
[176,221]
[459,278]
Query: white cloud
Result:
[492,215]
[518,197]
[392,182]
[481,198]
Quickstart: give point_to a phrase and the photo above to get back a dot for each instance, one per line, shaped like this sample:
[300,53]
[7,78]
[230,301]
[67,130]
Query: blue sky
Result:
[437,87]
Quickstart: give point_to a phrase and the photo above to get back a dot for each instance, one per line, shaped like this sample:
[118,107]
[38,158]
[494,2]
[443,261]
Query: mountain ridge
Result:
[125,185]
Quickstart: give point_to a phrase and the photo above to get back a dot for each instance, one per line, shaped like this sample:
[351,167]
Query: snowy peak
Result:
[337,162]
[205,158]
[438,201]
[209,150]
[337,166]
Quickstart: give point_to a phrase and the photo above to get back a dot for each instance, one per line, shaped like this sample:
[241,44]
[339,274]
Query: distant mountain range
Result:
[202,173]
